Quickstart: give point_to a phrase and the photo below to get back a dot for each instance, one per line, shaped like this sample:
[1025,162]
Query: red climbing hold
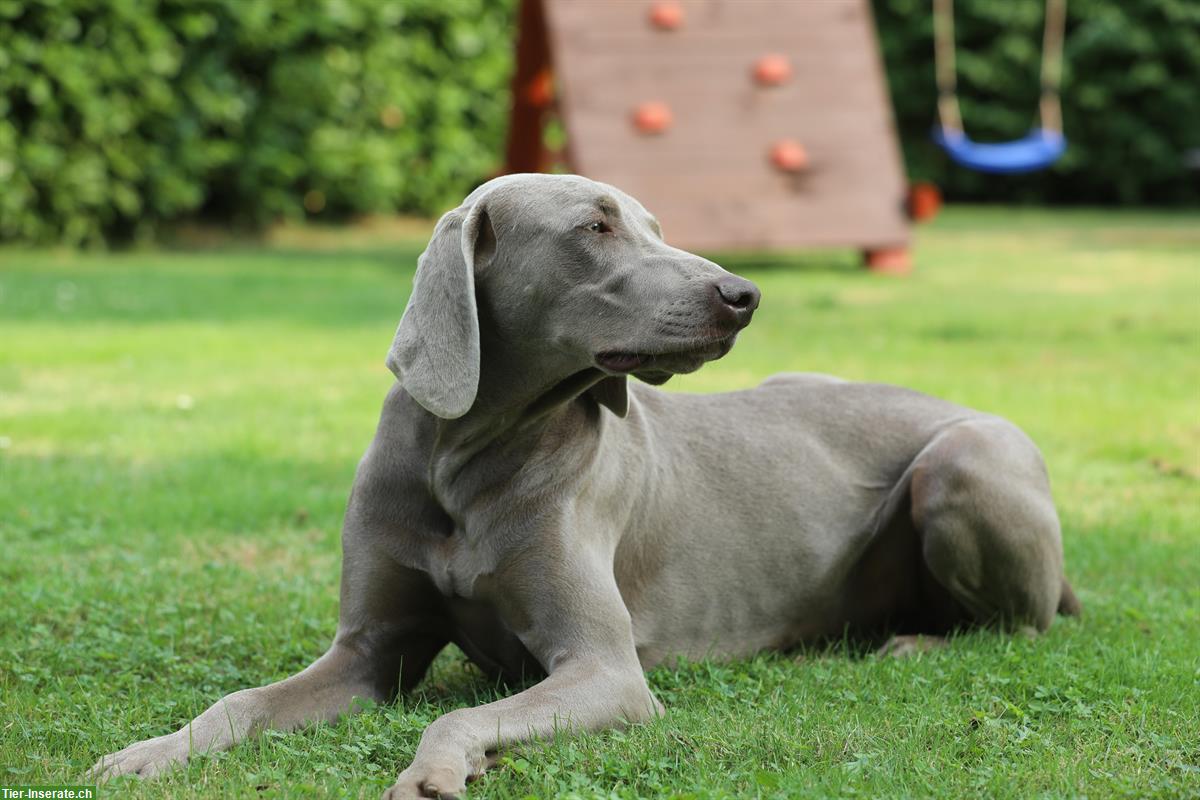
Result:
[789,155]
[666,16]
[772,70]
[539,92]
[652,117]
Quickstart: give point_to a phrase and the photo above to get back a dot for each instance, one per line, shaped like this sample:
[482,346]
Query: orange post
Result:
[889,260]
[924,201]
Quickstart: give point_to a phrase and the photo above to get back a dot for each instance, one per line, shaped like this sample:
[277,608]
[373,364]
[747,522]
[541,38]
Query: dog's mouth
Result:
[618,361]
[625,362]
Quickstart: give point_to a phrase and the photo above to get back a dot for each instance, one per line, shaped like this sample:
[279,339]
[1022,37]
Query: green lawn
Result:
[179,430]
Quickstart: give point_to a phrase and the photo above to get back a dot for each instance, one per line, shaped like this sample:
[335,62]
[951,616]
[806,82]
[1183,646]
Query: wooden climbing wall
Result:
[742,124]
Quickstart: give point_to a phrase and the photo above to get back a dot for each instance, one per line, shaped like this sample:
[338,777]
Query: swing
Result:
[1043,145]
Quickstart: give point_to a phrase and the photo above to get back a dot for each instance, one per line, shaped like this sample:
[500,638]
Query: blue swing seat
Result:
[1038,150]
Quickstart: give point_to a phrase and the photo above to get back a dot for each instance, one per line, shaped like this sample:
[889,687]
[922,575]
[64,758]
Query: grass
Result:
[178,433]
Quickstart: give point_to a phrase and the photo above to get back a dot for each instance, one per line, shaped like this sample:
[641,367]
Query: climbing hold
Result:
[652,117]
[789,155]
[539,92]
[772,70]
[666,15]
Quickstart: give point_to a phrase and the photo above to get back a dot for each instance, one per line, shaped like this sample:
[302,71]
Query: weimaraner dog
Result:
[527,502]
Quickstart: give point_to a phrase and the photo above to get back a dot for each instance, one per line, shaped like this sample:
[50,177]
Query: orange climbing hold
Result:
[652,117]
[772,70]
[539,92]
[789,155]
[666,15]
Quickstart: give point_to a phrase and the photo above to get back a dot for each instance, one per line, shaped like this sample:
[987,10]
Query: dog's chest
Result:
[459,566]
[457,561]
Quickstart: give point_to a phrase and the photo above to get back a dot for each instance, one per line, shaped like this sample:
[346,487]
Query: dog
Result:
[525,501]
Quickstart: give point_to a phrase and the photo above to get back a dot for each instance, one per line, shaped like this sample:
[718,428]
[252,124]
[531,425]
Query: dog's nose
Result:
[738,294]
[735,299]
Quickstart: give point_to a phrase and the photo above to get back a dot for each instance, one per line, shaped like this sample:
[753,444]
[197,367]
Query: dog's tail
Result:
[1068,603]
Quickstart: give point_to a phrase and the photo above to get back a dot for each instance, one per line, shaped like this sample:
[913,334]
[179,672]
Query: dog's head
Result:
[567,273]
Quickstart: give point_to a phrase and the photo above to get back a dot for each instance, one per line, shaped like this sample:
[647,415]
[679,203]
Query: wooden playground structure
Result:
[742,124]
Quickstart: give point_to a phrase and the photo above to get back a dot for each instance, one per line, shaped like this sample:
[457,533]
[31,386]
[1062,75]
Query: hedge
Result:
[117,115]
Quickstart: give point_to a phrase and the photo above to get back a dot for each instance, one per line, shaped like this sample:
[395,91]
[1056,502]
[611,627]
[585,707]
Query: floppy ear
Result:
[436,350]
[612,392]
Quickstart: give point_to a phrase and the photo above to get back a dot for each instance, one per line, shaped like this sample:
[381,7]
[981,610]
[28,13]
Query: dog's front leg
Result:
[586,693]
[580,630]
[387,636]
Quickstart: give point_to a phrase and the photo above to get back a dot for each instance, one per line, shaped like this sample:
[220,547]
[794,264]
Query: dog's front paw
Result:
[418,782]
[910,645]
[144,759]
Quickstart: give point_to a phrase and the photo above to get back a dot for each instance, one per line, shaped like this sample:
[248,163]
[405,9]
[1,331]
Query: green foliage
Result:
[1131,96]
[117,115]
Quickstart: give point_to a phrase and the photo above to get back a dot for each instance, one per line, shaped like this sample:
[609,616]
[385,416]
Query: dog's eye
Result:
[599,227]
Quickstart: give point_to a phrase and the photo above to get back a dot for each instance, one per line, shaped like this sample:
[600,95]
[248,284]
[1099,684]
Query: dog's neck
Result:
[516,417]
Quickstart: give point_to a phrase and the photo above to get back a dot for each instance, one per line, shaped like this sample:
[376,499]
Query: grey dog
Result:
[523,500]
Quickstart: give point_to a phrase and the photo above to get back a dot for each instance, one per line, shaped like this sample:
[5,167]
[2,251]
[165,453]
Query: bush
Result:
[1131,96]
[119,114]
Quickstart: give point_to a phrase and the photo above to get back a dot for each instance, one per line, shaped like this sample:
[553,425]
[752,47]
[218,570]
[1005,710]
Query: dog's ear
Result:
[612,392]
[436,350]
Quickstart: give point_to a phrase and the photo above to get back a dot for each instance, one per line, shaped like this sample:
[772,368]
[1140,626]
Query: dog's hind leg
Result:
[988,530]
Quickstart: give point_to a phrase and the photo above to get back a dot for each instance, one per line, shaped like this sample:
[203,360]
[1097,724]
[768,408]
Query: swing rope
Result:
[947,72]
[1050,107]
